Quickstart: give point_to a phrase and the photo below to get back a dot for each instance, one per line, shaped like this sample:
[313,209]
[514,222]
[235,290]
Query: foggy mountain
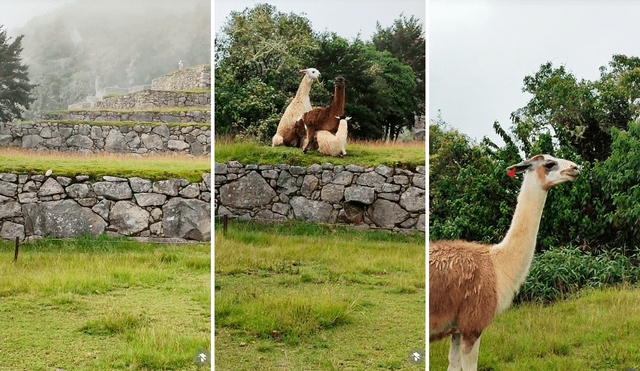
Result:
[90,44]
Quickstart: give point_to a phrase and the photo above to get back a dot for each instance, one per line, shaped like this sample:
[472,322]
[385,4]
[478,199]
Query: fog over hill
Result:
[95,44]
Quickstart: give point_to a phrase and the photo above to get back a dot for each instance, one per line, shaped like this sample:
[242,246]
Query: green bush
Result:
[563,271]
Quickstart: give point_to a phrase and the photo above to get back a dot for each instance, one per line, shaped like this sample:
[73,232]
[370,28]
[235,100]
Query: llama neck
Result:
[337,103]
[305,86]
[513,256]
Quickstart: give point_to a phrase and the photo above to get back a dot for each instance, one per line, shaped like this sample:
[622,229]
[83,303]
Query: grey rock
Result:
[190,191]
[343,178]
[64,181]
[314,211]
[150,199]
[64,218]
[332,193]
[80,141]
[8,189]
[371,179]
[31,141]
[268,216]
[386,214]
[139,185]
[355,168]
[162,130]
[206,180]
[87,201]
[152,141]
[384,171]
[420,224]
[108,178]
[78,190]
[413,199]
[389,196]
[177,145]
[287,183]
[419,180]
[10,209]
[142,117]
[12,230]
[221,169]
[156,229]
[170,187]
[280,208]
[388,187]
[12,178]
[27,197]
[115,142]
[270,174]
[309,184]
[247,192]
[187,218]
[128,218]
[113,190]
[314,169]
[401,179]
[96,132]
[156,213]
[364,195]
[297,170]
[50,187]
[103,208]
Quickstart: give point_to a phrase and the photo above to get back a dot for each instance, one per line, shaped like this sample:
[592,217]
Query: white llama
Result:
[470,283]
[300,104]
[333,145]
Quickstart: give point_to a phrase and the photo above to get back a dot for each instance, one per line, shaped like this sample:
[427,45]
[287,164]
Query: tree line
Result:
[593,123]
[260,51]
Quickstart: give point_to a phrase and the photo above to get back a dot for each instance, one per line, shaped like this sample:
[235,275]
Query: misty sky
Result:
[344,17]
[480,52]
[16,13]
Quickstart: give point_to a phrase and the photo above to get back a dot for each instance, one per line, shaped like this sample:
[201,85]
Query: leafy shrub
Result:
[563,271]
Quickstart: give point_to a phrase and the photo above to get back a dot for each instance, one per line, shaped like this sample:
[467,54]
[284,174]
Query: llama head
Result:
[311,73]
[549,171]
[339,82]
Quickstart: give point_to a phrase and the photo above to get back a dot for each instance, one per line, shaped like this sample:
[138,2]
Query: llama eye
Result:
[550,165]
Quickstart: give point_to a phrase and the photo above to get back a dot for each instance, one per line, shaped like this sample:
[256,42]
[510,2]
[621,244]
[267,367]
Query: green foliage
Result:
[14,80]
[560,272]
[261,51]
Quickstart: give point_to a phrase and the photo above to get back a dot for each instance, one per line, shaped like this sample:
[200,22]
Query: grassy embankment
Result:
[67,164]
[595,330]
[104,304]
[367,154]
[299,296]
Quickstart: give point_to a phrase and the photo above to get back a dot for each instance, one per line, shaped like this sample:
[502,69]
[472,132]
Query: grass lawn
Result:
[68,164]
[367,154]
[596,330]
[104,304]
[297,296]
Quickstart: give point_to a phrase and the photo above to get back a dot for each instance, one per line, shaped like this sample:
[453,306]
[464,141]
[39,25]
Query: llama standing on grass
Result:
[470,283]
[333,145]
[299,105]
[326,118]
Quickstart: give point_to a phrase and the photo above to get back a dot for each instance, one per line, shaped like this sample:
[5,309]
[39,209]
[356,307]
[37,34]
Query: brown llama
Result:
[471,283]
[325,118]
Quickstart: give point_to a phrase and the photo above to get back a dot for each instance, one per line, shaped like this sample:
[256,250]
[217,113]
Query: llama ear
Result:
[519,168]
[303,72]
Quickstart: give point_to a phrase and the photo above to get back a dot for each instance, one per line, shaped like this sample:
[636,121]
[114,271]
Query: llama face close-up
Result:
[311,73]
[550,171]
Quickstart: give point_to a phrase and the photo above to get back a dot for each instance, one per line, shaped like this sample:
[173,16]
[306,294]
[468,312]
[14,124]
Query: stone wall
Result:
[34,206]
[380,197]
[148,99]
[191,78]
[195,116]
[87,139]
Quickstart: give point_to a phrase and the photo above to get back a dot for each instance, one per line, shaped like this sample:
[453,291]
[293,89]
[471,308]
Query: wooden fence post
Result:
[15,258]
[225,223]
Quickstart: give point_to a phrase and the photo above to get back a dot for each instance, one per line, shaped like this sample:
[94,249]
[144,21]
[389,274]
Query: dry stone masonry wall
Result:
[380,197]
[33,206]
[190,78]
[195,116]
[88,139]
[148,99]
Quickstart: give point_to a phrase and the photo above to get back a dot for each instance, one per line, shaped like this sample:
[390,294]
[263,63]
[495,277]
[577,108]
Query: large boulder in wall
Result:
[65,218]
[187,218]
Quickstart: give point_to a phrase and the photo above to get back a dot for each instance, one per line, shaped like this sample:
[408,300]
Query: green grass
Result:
[95,166]
[104,304]
[364,154]
[596,330]
[318,297]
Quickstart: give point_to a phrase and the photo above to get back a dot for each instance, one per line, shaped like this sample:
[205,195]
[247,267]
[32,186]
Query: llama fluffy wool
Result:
[286,133]
[333,145]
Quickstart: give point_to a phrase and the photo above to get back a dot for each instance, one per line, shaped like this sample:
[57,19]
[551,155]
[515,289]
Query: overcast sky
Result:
[16,13]
[480,52]
[344,17]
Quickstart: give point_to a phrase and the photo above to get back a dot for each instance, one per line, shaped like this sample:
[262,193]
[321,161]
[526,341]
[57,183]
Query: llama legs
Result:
[470,351]
[455,356]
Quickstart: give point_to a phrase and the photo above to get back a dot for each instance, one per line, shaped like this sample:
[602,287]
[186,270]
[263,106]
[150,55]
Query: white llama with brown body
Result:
[286,133]
[470,283]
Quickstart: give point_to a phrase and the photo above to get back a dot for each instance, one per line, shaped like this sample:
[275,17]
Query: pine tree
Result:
[14,80]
